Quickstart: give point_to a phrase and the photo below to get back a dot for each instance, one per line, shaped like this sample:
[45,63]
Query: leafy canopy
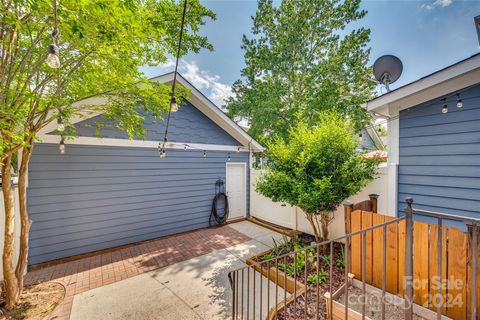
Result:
[302,60]
[316,168]
[102,44]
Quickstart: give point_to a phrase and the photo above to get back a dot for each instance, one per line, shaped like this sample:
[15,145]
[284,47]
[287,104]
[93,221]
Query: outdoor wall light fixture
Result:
[445,106]
[459,102]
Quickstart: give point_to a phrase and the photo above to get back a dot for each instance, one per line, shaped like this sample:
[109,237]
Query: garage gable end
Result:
[188,125]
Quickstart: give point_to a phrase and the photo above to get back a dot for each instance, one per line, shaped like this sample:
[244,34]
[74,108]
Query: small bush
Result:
[313,279]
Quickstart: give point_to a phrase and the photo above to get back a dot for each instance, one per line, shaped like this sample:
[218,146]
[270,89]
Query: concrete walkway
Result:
[197,288]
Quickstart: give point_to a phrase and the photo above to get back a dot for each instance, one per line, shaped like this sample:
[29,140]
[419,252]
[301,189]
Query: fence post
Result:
[408,277]
[374,202]
[347,209]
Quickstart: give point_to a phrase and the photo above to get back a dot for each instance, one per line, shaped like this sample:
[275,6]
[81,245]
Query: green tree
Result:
[316,169]
[102,44]
[302,60]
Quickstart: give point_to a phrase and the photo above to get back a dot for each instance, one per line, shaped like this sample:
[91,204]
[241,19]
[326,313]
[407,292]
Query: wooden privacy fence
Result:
[456,260]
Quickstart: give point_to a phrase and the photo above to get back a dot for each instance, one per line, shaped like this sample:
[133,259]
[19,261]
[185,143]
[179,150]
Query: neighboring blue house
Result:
[111,191]
[434,140]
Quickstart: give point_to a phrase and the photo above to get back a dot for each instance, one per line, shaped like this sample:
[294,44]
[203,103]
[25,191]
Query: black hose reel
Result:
[219,213]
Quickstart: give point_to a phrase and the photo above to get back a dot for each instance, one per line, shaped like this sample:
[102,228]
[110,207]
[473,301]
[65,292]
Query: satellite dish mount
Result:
[387,69]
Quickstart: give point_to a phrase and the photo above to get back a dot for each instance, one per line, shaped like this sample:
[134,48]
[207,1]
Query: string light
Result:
[229,158]
[445,106]
[459,101]
[238,149]
[163,153]
[173,104]
[61,146]
[173,101]
[53,60]
[60,124]
[204,154]
[161,148]
[185,148]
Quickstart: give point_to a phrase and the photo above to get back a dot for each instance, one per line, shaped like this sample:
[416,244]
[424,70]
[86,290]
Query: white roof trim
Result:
[213,112]
[201,102]
[115,142]
[455,77]
[372,132]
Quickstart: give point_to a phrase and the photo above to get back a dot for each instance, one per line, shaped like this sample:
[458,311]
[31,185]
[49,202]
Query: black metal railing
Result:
[283,288]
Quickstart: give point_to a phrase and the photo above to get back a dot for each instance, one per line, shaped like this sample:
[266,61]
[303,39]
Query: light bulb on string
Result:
[53,61]
[204,154]
[185,148]
[163,153]
[229,158]
[173,104]
[61,146]
[445,108]
[459,102]
[161,148]
[60,124]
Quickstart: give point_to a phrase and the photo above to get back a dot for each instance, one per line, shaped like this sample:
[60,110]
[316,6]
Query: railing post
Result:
[408,277]
[374,202]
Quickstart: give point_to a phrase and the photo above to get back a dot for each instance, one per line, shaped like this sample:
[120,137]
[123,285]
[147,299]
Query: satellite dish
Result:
[387,69]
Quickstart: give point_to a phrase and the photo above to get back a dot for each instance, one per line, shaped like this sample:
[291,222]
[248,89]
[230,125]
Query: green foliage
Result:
[313,279]
[299,61]
[318,168]
[341,260]
[279,247]
[382,131]
[102,45]
[326,259]
[293,269]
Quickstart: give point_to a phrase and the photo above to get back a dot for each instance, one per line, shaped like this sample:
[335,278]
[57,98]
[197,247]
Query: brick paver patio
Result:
[106,268]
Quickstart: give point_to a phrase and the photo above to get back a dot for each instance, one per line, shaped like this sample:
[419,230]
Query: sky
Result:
[427,35]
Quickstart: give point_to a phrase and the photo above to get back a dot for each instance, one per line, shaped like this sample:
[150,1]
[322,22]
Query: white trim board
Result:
[91,141]
[453,78]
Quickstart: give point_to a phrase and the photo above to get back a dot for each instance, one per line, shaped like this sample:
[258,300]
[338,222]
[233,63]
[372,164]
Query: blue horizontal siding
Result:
[188,124]
[440,156]
[96,197]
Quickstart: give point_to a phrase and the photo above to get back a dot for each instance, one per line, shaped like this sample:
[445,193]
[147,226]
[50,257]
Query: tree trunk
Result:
[325,220]
[10,281]
[316,234]
[24,219]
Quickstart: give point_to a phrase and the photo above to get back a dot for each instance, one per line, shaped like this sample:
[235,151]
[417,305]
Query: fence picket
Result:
[356,244]
[457,265]
[401,257]
[420,262]
[377,250]
[433,270]
[392,256]
[367,223]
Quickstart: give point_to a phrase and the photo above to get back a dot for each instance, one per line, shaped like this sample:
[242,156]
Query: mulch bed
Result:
[296,309]
[36,302]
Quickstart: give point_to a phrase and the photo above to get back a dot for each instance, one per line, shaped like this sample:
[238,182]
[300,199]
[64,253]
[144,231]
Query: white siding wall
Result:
[294,218]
